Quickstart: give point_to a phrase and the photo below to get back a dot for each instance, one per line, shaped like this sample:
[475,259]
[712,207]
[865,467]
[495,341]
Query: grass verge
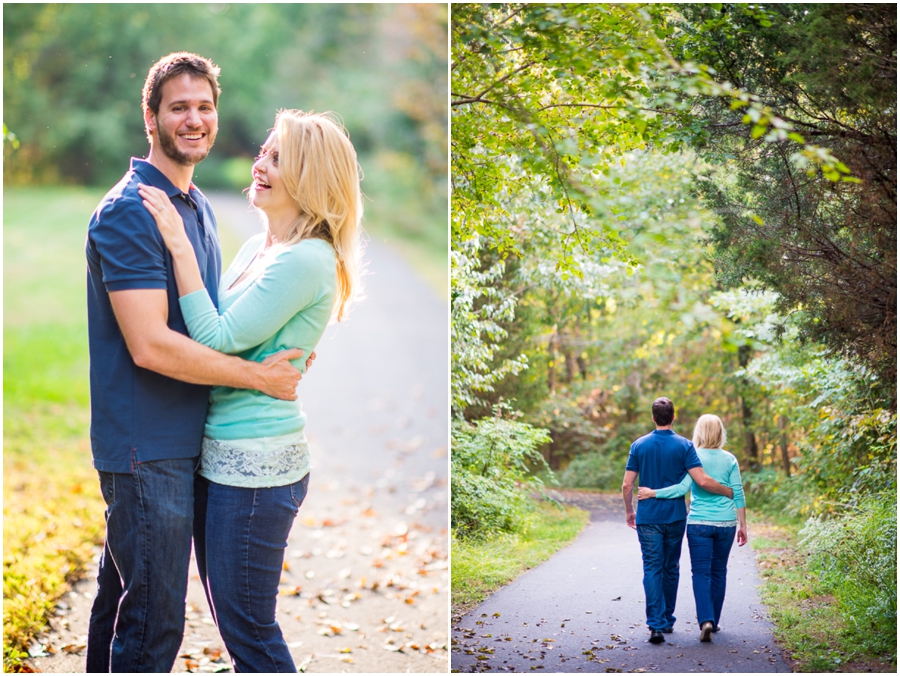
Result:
[480,567]
[808,623]
[52,508]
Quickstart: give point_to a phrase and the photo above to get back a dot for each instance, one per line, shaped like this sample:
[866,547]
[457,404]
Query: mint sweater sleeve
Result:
[676,491]
[734,481]
[298,277]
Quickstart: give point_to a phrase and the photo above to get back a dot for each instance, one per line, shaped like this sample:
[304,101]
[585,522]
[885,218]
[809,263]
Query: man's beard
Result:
[170,148]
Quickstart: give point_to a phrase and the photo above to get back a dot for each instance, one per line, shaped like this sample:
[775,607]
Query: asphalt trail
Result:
[583,611]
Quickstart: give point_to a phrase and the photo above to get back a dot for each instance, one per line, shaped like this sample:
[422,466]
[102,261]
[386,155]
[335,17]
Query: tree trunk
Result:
[747,414]
[783,442]
[551,365]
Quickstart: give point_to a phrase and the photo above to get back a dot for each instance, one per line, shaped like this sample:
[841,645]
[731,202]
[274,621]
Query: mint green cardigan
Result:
[705,506]
[286,304]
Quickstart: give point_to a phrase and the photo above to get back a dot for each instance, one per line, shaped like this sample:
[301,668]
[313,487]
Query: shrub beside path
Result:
[583,611]
[366,583]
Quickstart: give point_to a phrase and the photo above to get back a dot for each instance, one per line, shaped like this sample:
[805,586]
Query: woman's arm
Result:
[295,279]
[742,526]
[734,480]
[676,491]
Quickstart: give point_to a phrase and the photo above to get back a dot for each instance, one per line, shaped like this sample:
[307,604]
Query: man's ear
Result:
[149,120]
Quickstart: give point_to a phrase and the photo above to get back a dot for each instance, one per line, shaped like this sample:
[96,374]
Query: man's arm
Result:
[707,483]
[627,495]
[142,315]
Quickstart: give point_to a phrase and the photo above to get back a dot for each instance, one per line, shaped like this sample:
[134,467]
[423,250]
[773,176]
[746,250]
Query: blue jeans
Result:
[661,552]
[709,547]
[240,536]
[137,619]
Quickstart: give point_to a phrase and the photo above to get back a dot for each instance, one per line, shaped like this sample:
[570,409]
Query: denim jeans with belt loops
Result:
[240,536]
[709,547]
[661,553]
[137,619]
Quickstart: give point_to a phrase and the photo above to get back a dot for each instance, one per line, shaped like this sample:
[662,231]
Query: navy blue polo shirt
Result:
[661,459]
[139,415]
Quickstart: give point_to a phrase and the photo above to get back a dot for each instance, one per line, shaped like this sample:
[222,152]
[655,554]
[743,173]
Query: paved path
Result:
[366,582]
[583,611]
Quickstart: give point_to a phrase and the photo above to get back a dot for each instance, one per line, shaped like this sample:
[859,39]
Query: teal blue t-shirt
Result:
[288,303]
[705,506]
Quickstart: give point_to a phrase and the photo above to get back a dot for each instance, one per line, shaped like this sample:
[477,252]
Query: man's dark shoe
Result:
[667,630]
[706,630]
[656,636]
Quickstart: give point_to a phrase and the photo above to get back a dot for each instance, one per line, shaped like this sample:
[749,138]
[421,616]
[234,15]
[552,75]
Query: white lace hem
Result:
[255,463]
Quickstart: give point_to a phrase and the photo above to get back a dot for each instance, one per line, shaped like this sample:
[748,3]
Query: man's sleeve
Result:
[691,459]
[633,465]
[132,252]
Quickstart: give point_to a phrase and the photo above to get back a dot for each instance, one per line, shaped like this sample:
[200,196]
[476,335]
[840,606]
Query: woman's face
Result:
[267,192]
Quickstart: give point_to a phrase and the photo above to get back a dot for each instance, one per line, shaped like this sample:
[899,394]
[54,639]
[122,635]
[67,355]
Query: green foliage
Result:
[476,308]
[491,465]
[826,244]
[556,92]
[779,495]
[593,470]
[856,556]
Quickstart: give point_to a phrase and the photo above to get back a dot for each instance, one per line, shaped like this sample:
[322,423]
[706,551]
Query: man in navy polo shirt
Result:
[662,458]
[150,382]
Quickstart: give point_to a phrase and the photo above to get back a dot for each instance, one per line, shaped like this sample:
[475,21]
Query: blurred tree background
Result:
[72,77]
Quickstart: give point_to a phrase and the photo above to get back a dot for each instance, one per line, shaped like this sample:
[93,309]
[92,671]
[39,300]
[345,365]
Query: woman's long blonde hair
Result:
[709,432]
[318,166]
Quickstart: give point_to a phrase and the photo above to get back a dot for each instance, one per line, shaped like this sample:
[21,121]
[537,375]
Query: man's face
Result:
[187,121]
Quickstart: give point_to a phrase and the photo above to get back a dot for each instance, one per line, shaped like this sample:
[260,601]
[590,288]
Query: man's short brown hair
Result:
[173,65]
[663,411]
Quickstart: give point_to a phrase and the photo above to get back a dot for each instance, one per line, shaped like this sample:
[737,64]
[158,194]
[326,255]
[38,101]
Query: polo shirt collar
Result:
[666,432]
[153,176]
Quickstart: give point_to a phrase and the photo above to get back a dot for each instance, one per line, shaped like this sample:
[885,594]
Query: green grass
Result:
[52,509]
[808,622]
[480,567]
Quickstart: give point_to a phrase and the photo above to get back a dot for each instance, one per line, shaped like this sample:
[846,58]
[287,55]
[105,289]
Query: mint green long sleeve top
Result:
[705,506]
[286,304]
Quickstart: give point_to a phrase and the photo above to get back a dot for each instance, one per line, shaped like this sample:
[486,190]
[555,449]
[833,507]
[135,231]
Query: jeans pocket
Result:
[108,487]
[298,491]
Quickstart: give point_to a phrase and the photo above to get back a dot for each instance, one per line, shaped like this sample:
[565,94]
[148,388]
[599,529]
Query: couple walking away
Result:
[227,465]
[674,466]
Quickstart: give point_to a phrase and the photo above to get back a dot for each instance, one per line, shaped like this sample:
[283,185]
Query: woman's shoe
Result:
[706,630]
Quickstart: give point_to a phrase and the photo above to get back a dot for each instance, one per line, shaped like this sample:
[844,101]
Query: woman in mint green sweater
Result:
[283,288]
[712,520]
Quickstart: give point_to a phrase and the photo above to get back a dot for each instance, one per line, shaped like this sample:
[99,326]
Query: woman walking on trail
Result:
[282,290]
[712,521]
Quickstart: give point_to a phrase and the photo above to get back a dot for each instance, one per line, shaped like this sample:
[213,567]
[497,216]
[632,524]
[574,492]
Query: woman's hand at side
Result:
[644,493]
[742,526]
[171,227]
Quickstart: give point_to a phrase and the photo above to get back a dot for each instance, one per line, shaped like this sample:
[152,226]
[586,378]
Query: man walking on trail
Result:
[150,382]
[661,459]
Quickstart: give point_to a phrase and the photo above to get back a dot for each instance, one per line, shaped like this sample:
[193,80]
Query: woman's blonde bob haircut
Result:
[709,432]
[318,166]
